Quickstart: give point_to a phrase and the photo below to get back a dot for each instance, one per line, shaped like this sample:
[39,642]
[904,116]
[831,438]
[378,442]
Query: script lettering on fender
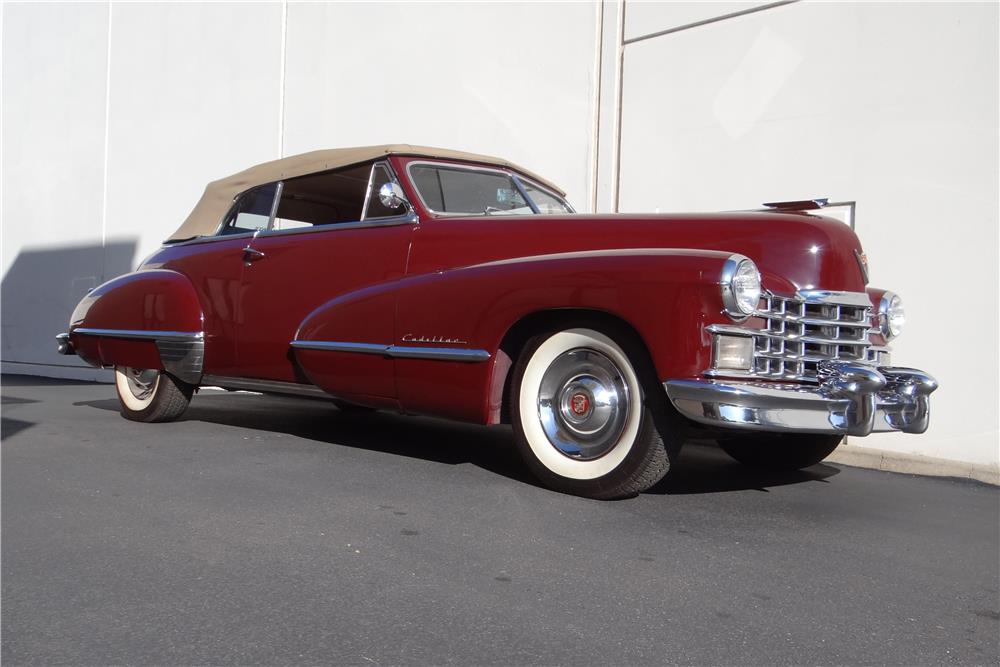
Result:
[411,338]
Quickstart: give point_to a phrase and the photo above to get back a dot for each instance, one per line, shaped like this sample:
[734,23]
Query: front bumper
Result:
[850,399]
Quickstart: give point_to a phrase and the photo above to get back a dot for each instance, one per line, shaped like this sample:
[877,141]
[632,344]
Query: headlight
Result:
[740,282]
[891,316]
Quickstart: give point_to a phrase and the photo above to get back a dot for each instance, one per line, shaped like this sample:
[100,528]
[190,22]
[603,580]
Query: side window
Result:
[545,202]
[252,210]
[458,190]
[327,198]
[374,208]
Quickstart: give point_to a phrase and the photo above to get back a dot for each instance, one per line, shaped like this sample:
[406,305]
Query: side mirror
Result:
[391,195]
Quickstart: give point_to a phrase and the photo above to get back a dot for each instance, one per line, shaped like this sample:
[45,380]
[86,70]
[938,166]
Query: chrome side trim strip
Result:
[263,386]
[333,346]
[438,353]
[141,333]
[395,351]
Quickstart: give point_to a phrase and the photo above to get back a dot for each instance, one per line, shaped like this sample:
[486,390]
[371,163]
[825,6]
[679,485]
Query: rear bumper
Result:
[64,345]
[851,399]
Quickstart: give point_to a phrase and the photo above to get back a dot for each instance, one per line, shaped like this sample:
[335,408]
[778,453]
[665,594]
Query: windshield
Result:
[470,191]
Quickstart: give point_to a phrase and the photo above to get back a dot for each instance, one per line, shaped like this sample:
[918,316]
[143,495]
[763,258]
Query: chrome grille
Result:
[802,331]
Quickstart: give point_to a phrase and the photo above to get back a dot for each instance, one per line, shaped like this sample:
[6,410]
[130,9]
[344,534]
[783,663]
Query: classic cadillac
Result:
[435,282]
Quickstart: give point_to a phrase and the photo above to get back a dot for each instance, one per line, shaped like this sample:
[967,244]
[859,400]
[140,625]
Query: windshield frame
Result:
[516,178]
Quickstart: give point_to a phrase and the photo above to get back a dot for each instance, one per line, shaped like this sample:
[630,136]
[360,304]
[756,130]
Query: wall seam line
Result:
[281,79]
[714,19]
[596,130]
[107,144]
[619,93]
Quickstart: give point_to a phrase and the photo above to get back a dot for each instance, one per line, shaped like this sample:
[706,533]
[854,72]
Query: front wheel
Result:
[790,451]
[151,395]
[582,421]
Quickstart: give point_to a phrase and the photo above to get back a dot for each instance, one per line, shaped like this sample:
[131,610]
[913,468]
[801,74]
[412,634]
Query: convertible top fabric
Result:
[218,197]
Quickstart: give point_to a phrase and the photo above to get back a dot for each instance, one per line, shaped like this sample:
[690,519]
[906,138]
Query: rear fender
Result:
[145,319]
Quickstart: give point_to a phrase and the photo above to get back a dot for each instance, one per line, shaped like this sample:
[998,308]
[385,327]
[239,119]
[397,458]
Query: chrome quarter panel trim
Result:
[438,353]
[182,353]
[263,386]
[182,358]
[141,333]
[395,351]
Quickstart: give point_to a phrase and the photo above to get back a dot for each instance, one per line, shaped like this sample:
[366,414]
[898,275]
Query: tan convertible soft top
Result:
[207,214]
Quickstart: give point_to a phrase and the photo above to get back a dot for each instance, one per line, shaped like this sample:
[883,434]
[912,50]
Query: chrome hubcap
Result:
[583,402]
[142,383]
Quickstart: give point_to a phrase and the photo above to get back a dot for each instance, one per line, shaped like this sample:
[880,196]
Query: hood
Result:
[793,251]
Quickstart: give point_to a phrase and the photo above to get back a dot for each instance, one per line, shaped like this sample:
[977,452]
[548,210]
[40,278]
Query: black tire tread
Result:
[170,401]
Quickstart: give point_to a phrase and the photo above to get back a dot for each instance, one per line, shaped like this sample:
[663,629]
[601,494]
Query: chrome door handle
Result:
[252,255]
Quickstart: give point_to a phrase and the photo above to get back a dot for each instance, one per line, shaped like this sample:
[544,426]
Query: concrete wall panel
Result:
[509,79]
[54,69]
[195,96]
[892,105]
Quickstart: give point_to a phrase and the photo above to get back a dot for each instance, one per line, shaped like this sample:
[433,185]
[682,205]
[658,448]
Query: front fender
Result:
[145,319]
[668,296]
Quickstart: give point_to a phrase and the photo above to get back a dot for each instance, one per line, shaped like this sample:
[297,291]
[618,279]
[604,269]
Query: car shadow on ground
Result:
[702,468]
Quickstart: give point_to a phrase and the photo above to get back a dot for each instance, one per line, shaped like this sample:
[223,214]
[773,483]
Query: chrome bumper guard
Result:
[64,345]
[850,399]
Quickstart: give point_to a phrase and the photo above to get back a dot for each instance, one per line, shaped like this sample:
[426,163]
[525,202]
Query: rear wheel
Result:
[582,419]
[780,451]
[151,395]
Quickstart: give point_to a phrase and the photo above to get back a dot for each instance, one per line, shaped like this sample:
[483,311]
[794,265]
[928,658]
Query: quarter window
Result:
[545,201]
[252,211]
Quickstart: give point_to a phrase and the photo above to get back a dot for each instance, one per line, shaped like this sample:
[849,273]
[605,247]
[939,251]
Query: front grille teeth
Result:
[799,333]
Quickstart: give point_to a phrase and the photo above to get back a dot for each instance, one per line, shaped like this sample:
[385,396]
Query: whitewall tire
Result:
[582,417]
[150,395]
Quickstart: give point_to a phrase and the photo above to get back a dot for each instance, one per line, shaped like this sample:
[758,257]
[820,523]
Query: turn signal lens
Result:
[733,353]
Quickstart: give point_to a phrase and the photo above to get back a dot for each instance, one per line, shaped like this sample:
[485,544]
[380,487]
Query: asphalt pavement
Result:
[263,530]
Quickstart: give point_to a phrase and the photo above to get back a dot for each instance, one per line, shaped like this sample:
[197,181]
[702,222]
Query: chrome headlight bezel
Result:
[740,298]
[891,315]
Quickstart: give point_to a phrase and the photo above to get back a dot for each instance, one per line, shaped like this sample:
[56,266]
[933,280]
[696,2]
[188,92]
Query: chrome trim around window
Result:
[510,173]
[395,351]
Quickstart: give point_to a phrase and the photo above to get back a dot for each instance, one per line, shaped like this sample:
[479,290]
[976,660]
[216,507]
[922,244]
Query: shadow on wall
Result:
[39,292]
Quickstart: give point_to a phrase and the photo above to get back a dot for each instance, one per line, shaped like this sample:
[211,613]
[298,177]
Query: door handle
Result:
[252,255]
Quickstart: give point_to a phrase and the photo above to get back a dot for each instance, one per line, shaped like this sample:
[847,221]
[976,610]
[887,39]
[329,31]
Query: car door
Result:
[214,265]
[324,242]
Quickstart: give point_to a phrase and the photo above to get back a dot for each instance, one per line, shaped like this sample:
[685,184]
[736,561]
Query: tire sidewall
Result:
[549,464]
[129,403]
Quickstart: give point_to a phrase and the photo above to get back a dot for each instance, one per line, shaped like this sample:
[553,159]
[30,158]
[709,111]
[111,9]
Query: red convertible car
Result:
[435,282]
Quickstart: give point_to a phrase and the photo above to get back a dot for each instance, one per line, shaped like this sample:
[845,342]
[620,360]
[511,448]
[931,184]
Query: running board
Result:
[264,386]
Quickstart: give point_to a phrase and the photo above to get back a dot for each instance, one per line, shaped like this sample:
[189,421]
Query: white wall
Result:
[894,105]
[100,163]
